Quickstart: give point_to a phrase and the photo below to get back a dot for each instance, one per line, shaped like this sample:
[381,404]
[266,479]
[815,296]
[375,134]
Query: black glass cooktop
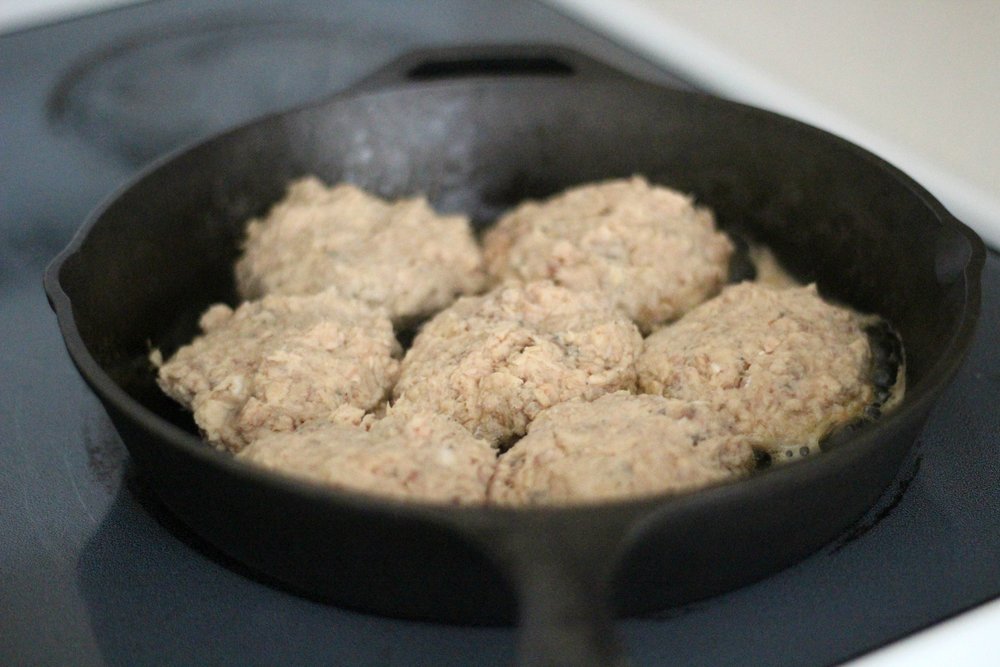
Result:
[93,571]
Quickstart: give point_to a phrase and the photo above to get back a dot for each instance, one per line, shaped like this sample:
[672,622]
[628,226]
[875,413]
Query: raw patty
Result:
[401,256]
[418,457]
[281,362]
[494,362]
[782,365]
[619,446]
[648,247]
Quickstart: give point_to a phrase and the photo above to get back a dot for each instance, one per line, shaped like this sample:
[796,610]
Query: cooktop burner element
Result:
[94,572]
[154,91]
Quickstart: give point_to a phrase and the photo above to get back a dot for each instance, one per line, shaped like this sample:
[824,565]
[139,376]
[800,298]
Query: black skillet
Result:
[478,130]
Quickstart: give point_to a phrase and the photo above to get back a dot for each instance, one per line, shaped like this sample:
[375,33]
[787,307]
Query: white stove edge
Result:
[970,639]
[708,64]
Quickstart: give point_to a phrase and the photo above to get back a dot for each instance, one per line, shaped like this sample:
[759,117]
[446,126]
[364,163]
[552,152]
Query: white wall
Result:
[915,81]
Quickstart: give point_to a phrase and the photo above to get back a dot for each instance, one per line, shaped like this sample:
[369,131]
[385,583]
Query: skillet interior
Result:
[162,250]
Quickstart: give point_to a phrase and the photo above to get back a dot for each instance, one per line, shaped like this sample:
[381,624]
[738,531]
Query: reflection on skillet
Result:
[528,380]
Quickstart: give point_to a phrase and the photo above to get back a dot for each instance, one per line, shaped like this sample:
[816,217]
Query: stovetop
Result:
[94,571]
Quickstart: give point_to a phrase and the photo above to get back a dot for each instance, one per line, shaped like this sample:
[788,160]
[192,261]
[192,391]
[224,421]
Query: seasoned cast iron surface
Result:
[94,571]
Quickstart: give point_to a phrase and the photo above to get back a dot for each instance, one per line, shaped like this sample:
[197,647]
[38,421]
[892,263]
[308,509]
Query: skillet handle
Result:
[498,60]
[562,568]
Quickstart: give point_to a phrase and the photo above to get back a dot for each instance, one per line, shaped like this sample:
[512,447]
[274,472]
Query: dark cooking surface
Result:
[92,571]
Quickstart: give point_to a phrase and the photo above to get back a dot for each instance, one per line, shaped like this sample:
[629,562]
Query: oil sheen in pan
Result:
[751,261]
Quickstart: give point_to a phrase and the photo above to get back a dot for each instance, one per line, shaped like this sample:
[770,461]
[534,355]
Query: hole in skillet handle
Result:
[492,61]
[495,66]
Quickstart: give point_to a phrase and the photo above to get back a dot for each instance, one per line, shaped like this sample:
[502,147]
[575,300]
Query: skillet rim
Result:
[938,375]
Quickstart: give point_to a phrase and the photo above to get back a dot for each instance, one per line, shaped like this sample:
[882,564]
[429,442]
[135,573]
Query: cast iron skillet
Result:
[478,130]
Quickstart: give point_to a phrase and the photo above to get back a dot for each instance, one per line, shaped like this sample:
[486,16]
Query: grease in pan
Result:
[763,371]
